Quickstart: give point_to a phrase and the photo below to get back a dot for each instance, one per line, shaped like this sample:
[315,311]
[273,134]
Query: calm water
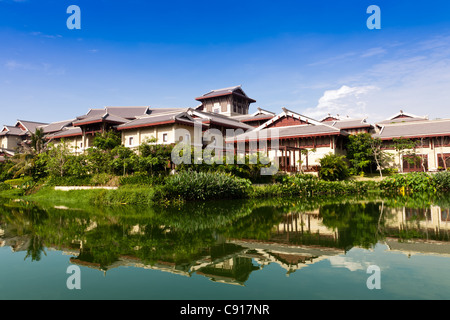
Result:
[254,250]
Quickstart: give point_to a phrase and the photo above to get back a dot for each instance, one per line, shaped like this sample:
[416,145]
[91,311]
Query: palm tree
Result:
[37,141]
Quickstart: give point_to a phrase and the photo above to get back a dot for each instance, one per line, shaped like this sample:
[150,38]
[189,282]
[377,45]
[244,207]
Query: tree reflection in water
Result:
[225,241]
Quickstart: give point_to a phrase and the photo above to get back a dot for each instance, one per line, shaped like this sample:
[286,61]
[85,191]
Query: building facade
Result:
[427,142]
[222,120]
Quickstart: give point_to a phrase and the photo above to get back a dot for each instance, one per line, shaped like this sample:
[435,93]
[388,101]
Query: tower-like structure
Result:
[227,101]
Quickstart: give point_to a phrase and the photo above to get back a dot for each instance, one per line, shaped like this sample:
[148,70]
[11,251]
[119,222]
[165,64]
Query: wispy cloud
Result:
[374,52]
[43,35]
[43,67]
[414,77]
[334,59]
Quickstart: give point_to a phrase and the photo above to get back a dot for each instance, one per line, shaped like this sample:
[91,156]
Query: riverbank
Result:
[190,186]
[204,186]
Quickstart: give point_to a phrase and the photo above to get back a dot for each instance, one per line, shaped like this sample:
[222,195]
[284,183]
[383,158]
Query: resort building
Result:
[301,141]
[10,140]
[429,139]
[79,133]
[228,101]
[352,126]
[296,141]
[14,137]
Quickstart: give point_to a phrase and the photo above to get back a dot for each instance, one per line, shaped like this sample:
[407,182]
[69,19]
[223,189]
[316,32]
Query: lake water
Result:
[282,249]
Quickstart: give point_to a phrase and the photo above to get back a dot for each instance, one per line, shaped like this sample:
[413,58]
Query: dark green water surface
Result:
[277,249]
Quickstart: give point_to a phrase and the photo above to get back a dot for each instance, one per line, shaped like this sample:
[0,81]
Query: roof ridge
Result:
[31,121]
[400,123]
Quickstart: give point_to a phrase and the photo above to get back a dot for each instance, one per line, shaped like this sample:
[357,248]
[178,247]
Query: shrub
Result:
[333,168]
[142,179]
[191,185]
[309,185]
[126,195]
[69,181]
[410,182]
[442,180]
[4,186]
[19,182]
[101,179]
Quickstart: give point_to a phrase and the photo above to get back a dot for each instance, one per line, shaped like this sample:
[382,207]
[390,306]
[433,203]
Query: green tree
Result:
[359,153]
[404,146]
[107,140]
[380,157]
[37,141]
[57,159]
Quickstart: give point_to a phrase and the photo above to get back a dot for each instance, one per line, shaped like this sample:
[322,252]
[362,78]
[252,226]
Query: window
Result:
[415,163]
[130,141]
[216,110]
[165,137]
[443,160]
[81,145]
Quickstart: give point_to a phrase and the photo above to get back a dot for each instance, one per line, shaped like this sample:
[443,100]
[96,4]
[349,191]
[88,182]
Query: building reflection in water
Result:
[296,241]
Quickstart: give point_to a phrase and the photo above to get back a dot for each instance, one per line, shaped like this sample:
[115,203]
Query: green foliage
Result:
[4,186]
[19,181]
[5,170]
[246,167]
[107,140]
[69,181]
[127,195]
[141,178]
[442,180]
[305,185]
[404,146]
[192,185]
[333,167]
[407,183]
[360,153]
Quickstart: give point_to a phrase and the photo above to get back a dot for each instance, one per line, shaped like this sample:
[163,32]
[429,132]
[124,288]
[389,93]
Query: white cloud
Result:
[13,65]
[49,36]
[345,101]
[45,68]
[374,52]
[348,263]
[414,77]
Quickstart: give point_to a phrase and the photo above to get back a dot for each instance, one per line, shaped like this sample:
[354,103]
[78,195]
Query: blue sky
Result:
[313,57]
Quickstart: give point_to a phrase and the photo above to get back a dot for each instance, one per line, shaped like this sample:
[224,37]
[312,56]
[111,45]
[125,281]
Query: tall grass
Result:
[191,185]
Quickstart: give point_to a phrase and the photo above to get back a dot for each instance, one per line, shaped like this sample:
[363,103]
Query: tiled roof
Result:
[155,111]
[31,126]
[224,92]
[220,119]
[402,117]
[101,118]
[66,132]
[157,119]
[127,112]
[293,131]
[250,117]
[57,126]
[14,131]
[122,112]
[426,128]
[350,123]
[401,120]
